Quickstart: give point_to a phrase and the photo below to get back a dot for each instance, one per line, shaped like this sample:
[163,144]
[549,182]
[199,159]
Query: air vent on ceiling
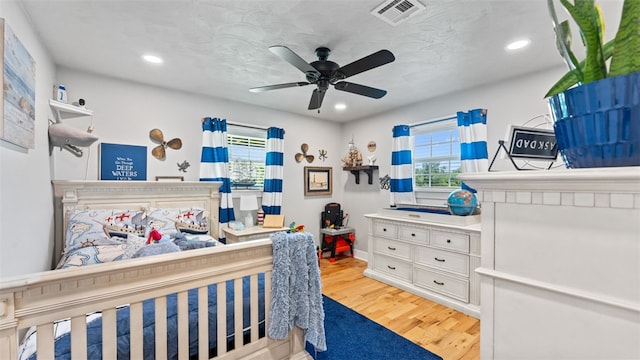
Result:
[395,12]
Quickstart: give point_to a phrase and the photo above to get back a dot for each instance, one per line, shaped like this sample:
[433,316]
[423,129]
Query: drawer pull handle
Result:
[391,267]
[384,229]
[436,259]
[448,241]
[412,234]
[391,248]
[438,283]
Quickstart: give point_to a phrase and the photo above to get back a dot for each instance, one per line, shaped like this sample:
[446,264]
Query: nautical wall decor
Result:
[123,162]
[303,154]
[159,152]
[19,95]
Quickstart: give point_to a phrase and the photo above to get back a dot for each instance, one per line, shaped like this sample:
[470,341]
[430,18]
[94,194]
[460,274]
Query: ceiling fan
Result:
[323,73]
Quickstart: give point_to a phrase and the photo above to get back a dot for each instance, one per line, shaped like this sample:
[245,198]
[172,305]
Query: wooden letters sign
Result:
[533,143]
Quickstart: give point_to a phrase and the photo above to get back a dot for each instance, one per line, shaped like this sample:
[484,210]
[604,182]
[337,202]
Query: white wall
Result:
[125,112]
[26,206]
[508,103]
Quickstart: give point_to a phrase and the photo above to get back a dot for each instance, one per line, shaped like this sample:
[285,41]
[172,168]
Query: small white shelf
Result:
[66,111]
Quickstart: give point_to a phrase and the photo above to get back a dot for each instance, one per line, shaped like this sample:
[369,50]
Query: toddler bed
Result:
[147,307]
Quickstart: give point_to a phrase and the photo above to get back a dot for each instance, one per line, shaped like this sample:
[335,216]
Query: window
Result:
[436,154]
[247,151]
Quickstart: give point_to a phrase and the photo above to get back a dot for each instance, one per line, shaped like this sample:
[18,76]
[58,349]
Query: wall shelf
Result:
[66,111]
[355,170]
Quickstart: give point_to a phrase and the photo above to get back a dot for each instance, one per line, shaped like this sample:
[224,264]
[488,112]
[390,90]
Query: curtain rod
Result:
[450,117]
[243,125]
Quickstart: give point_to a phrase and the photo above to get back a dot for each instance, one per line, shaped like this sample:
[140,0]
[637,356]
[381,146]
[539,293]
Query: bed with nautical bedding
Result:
[194,298]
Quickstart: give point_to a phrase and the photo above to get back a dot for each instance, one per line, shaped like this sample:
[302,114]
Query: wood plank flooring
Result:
[441,330]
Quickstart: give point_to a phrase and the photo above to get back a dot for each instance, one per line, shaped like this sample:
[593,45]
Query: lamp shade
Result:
[248,203]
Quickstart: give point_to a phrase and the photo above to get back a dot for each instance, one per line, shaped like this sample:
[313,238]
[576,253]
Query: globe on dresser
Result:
[462,202]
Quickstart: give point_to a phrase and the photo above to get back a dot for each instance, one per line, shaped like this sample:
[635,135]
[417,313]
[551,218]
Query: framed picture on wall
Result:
[19,90]
[318,180]
[169,178]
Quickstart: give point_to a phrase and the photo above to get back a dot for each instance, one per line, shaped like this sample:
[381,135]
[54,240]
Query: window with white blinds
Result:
[247,152]
[436,154]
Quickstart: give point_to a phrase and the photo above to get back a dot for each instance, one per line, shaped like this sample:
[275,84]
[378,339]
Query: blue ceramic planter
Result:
[598,124]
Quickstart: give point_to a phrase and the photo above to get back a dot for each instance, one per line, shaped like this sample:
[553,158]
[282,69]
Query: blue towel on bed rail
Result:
[296,296]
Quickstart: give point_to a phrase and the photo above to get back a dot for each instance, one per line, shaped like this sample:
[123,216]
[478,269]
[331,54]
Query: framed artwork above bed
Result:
[123,162]
[169,178]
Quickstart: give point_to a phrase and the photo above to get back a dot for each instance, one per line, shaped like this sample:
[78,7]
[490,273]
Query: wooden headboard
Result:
[80,195]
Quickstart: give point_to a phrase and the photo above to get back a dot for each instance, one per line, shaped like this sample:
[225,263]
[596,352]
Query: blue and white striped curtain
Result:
[472,127]
[401,166]
[214,166]
[273,172]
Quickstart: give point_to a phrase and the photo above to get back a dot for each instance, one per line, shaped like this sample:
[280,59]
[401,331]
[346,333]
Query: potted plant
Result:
[596,105]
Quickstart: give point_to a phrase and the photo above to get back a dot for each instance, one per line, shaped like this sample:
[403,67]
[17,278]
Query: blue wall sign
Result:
[123,162]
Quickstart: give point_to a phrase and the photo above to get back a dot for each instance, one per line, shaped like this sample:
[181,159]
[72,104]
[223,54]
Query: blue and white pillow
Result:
[170,221]
[94,227]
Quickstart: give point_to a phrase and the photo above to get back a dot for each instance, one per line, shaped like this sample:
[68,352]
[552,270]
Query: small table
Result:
[334,245]
[250,233]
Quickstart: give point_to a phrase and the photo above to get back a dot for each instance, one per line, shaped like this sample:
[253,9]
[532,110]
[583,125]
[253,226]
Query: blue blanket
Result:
[94,328]
[296,294]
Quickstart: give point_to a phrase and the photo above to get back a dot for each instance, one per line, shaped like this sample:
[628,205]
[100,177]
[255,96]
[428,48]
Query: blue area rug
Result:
[351,336]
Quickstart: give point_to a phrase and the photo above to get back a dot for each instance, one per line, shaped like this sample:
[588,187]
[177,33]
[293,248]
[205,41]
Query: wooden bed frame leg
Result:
[297,345]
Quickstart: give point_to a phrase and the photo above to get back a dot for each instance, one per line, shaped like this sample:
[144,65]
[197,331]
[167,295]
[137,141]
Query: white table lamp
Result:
[248,203]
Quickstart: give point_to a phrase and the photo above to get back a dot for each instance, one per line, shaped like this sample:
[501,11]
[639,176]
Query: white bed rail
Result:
[43,298]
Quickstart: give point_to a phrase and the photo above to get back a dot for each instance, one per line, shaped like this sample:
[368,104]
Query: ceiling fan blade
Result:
[156,134]
[316,99]
[367,63]
[158,152]
[175,144]
[360,89]
[279,86]
[294,59]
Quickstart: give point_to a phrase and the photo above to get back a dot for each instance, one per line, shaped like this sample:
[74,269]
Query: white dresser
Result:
[431,259]
[560,272]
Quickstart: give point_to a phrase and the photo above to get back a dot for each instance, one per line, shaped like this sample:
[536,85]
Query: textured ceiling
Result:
[220,48]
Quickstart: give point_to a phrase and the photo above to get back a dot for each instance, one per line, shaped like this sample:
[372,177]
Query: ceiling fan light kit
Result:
[324,72]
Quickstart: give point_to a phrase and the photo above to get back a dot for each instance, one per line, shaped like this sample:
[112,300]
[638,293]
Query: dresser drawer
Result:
[450,240]
[441,283]
[385,229]
[414,234]
[392,248]
[443,260]
[394,267]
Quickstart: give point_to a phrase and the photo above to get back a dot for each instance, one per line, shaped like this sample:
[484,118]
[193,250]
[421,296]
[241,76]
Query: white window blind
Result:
[247,151]
[436,154]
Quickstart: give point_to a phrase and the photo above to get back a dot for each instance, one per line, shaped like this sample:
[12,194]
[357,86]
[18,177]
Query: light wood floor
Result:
[441,330]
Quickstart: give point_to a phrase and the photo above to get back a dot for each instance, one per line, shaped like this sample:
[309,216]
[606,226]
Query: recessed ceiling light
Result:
[340,106]
[153,59]
[518,44]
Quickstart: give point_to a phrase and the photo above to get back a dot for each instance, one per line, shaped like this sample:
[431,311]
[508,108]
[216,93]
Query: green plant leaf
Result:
[563,43]
[585,14]
[571,78]
[567,81]
[626,55]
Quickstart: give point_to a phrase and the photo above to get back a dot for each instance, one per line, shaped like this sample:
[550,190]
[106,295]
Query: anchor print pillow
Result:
[94,227]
